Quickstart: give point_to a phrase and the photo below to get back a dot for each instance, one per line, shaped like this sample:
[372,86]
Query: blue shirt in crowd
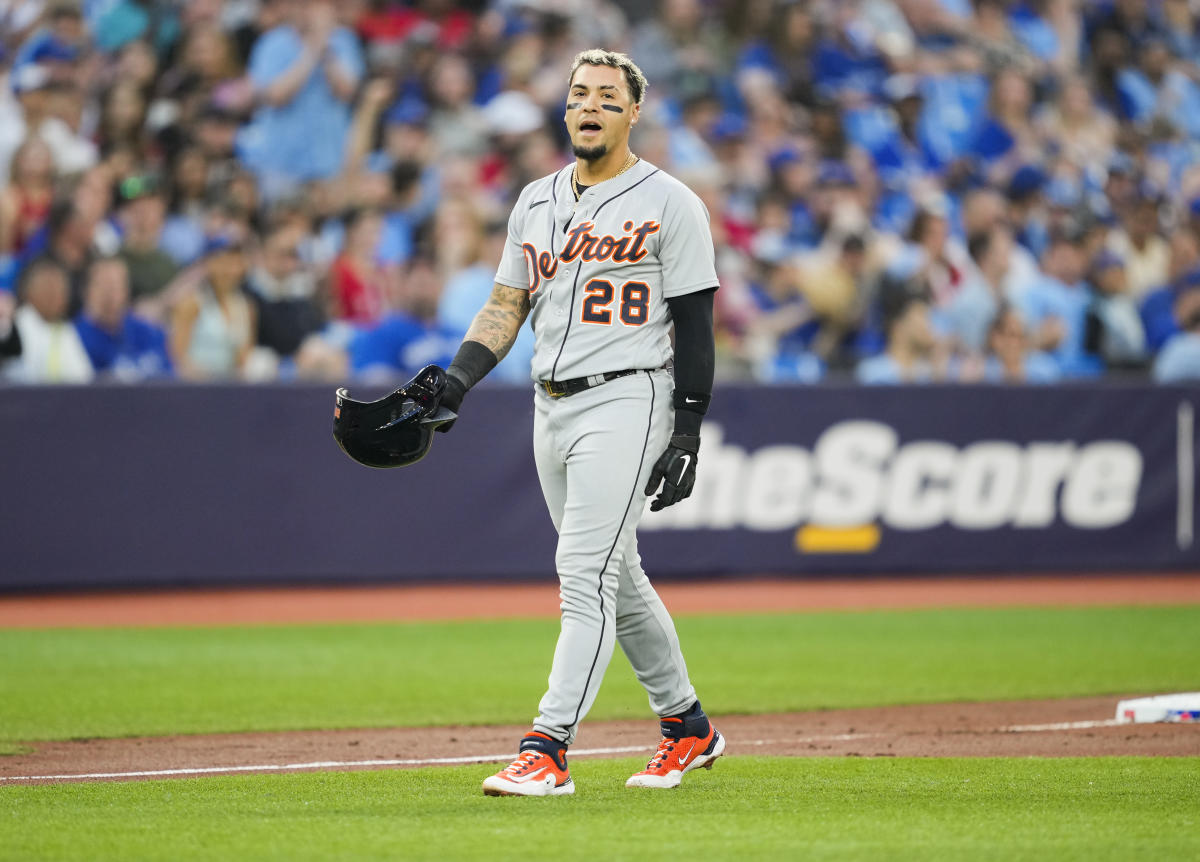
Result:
[882,370]
[1179,360]
[464,294]
[1039,368]
[303,139]
[401,346]
[136,351]
[1048,297]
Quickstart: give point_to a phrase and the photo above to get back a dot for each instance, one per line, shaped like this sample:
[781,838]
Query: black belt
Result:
[563,388]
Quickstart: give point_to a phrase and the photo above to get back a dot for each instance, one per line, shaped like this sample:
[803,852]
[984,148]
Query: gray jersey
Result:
[599,271]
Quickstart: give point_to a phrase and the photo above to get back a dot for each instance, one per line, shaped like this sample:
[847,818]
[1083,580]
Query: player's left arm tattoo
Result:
[498,322]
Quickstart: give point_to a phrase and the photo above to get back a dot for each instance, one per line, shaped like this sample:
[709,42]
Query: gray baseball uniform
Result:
[599,272]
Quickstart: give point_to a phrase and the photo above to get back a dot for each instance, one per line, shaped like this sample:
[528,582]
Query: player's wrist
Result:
[690,408]
[687,423]
[453,395]
[471,364]
[686,442]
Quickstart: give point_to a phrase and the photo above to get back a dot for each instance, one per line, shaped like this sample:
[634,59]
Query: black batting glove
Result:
[675,469]
[451,398]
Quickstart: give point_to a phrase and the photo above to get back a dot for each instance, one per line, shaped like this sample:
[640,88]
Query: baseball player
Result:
[604,257]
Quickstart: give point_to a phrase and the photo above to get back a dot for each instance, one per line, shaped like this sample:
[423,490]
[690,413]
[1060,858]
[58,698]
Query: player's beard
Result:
[590,154]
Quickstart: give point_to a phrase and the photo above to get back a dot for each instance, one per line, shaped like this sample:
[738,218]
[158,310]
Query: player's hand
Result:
[675,470]
[452,399]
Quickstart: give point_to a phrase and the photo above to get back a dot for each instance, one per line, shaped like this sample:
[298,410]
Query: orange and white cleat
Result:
[539,770]
[677,756]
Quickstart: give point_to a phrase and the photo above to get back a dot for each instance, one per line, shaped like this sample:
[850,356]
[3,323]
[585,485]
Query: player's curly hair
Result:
[599,57]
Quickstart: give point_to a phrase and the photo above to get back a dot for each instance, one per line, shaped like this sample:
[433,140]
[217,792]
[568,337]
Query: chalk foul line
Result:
[497,758]
[1062,725]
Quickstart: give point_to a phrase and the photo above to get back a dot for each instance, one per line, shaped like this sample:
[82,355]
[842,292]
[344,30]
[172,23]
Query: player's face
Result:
[600,111]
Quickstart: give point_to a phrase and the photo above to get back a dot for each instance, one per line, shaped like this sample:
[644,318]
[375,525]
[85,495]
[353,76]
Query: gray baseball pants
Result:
[594,452]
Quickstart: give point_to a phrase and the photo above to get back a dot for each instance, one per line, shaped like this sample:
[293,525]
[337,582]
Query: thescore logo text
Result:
[858,472]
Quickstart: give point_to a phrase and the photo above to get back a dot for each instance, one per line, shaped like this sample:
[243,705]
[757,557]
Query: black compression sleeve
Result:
[694,357]
[471,364]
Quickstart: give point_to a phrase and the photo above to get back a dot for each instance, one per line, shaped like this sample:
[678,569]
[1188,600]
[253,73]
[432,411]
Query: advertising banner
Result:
[173,485]
[953,479]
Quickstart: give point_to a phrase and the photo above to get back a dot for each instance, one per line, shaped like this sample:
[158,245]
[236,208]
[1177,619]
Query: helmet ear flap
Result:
[396,430]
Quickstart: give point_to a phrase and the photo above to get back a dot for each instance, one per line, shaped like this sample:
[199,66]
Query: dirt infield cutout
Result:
[1045,728]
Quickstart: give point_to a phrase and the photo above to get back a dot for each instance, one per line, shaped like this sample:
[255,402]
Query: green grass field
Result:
[747,808]
[60,684]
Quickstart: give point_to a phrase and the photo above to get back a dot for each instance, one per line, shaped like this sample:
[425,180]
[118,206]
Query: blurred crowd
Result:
[900,191]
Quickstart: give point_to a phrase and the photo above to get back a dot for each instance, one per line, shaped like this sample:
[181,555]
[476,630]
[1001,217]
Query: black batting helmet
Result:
[396,430]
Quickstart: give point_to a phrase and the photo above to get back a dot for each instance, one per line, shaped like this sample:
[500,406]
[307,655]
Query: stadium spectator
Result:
[681,46]
[913,354]
[188,206]
[51,351]
[25,203]
[122,121]
[1055,305]
[120,345]
[913,125]
[1146,253]
[402,342]
[213,327]
[304,72]
[991,34]
[779,333]
[39,111]
[1178,26]
[61,38]
[1009,358]
[1157,306]
[784,50]
[142,213]
[1179,360]
[969,315]
[1113,327]
[464,294]
[69,242]
[834,284]
[934,255]
[457,125]
[289,309]
[1007,137]
[1154,90]
[358,282]
[1076,128]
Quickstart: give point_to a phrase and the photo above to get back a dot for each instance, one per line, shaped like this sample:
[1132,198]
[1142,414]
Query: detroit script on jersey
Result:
[599,271]
[582,243]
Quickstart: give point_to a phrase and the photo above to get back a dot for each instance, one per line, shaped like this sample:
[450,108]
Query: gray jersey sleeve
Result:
[513,270]
[686,245]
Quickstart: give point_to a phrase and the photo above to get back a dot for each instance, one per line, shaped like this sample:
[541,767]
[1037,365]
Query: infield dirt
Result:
[1007,729]
[1074,727]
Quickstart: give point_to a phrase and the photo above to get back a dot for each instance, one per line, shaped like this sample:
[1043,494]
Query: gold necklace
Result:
[629,163]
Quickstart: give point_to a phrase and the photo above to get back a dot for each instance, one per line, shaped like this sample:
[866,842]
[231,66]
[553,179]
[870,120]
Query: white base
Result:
[1165,707]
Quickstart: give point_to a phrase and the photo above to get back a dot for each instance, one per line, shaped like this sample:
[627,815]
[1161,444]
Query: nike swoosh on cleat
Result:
[683,760]
[523,778]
